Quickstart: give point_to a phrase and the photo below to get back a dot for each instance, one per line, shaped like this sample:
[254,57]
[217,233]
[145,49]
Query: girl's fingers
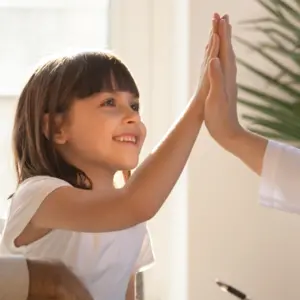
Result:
[214,27]
[215,23]
[210,46]
[210,40]
[213,46]
[216,16]
[214,51]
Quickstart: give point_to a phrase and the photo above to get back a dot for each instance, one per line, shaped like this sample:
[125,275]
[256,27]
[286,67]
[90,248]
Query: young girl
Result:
[77,124]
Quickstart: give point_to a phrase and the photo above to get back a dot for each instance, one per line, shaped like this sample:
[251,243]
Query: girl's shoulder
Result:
[37,187]
[30,194]
[24,203]
[40,181]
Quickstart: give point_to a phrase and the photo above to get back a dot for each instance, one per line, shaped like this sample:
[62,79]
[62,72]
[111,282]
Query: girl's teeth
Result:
[126,139]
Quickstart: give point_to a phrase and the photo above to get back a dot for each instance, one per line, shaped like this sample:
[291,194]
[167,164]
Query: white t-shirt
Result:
[14,278]
[280,180]
[103,261]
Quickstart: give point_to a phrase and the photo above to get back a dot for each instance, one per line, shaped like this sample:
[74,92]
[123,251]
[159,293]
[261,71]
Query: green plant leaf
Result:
[296,109]
[268,78]
[273,32]
[269,8]
[274,112]
[274,125]
[268,57]
[256,21]
[280,22]
[287,53]
[272,135]
[267,98]
[288,9]
[271,115]
[278,48]
[297,2]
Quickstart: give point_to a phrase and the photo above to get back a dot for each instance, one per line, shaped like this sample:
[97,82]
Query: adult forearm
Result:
[131,289]
[43,279]
[53,280]
[250,148]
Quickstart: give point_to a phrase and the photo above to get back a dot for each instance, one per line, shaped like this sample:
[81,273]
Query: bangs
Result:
[101,72]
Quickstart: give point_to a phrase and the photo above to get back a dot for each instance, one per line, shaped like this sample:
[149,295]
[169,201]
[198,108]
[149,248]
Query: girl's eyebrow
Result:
[115,92]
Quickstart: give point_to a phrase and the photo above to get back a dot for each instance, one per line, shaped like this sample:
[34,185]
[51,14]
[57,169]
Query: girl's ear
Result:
[59,134]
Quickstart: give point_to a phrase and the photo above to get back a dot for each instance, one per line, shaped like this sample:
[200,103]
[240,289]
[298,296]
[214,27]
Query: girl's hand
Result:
[211,51]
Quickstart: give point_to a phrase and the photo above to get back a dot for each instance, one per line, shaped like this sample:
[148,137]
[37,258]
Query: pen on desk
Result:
[230,289]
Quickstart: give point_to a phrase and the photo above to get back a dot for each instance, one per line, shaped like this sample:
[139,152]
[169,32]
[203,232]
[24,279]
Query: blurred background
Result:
[212,226]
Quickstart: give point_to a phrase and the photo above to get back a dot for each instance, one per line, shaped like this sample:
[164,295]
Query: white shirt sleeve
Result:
[14,278]
[280,180]
[146,257]
[25,202]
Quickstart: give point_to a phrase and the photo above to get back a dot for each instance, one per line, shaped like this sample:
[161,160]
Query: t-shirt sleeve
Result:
[280,179]
[146,256]
[26,201]
[14,278]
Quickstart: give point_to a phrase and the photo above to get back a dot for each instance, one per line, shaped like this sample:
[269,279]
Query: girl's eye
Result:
[135,106]
[109,102]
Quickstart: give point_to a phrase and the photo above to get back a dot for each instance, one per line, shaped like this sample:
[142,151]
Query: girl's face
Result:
[103,131]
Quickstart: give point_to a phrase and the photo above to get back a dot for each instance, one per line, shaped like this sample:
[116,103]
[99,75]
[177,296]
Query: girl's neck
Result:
[100,178]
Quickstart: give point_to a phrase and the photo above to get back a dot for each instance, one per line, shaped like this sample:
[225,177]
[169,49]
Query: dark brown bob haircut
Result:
[51,90]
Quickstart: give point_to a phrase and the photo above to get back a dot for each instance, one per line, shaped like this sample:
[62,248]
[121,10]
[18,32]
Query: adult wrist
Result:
[233,142]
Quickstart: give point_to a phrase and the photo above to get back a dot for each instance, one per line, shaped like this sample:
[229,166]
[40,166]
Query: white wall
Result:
[7,182]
